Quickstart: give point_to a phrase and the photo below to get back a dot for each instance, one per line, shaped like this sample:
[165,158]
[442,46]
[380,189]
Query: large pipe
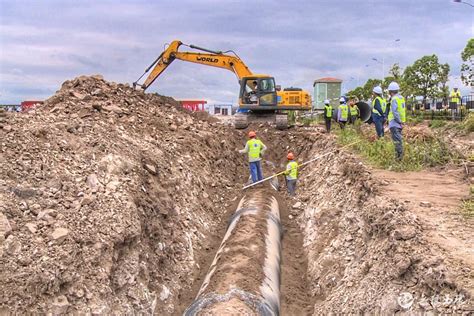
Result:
[365,111]
[244,277]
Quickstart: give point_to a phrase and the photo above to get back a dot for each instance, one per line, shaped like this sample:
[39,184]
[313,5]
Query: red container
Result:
[28,105]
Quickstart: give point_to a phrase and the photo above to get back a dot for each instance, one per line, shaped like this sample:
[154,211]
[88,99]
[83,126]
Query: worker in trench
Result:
[255,149]
[342,113]
[291,174]
[396,118]
[327,115]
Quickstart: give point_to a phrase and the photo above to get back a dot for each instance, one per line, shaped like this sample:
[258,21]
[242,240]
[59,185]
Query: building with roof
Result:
[326,88]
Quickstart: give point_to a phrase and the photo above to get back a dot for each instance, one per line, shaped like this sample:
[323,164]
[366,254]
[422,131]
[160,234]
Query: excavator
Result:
[260,99]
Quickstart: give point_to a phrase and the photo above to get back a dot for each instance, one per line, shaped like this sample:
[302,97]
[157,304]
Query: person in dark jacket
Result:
[379,109]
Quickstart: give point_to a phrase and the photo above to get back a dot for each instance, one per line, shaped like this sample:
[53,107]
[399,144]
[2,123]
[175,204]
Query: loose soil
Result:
[436,197]
[114,202]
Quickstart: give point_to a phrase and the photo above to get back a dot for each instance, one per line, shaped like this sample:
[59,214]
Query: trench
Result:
[295,295]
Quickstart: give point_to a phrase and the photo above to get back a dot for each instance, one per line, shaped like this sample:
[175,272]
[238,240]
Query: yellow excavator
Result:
[259,98]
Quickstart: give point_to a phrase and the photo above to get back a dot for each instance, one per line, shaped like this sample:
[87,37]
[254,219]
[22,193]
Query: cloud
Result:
[43,43]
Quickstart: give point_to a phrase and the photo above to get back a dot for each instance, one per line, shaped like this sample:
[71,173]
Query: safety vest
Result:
[455,96]
[400,109]
[292,170]
[328,108]
[344,111]
[383,105]
[354,110]
[255,147]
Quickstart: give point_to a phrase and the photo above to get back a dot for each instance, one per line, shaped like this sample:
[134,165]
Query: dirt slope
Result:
[114,201]
[368,253]
[435,196]
[105,197]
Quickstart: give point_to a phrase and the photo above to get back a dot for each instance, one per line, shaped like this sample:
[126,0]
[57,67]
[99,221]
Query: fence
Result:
[441,108]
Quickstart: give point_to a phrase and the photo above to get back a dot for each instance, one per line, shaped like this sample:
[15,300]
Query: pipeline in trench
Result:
[245,274]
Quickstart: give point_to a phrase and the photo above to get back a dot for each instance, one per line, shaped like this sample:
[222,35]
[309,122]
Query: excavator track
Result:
[241,121]
[281,121]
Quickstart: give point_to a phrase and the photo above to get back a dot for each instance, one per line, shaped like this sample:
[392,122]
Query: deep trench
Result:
[295,294]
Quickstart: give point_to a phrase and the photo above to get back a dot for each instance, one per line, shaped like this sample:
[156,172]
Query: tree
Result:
[356,93]
[369,86]
[444,77]
[426,77]
[364,92]
[396,72]
[467,67]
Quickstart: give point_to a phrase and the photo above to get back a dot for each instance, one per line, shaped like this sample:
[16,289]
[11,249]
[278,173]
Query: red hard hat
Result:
[290,156]
[252,134]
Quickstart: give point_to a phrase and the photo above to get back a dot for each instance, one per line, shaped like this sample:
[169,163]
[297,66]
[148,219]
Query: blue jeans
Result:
[291,186]
[378,121]
[397,141]
[256,171]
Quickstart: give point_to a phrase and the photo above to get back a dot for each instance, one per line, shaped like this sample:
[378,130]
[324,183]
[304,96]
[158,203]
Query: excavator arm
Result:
[210,58]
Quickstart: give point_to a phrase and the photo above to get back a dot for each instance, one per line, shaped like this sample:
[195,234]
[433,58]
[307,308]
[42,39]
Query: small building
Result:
[220,109]
[326,88]
[193,105]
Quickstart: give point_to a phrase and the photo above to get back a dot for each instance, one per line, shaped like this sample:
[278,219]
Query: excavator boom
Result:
[211,58]
[259,96]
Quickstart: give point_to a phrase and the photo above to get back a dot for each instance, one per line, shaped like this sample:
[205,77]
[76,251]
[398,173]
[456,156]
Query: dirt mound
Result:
[366,253]
[106,193]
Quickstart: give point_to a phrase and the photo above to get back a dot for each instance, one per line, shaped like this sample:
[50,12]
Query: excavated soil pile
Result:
[106,192]
[366,253]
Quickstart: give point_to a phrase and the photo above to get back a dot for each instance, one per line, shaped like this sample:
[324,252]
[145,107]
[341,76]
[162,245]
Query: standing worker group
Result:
[379,109]
[291,174]
[327,115]
[342,113]
[396,118]
[255,149]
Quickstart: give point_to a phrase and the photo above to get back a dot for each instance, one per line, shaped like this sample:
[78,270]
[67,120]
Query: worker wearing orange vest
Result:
[255,149]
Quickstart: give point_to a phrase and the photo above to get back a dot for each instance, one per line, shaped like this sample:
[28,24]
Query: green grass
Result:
[381,153]
[414,120]
[437,123]
[468,123]
[308,121]
[467,208]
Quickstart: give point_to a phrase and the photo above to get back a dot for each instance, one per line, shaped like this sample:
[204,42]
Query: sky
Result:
[44,43]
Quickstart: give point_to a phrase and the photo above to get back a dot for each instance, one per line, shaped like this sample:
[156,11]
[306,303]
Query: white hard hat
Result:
[377,89]
[393,86]
[326,101]
[342,99]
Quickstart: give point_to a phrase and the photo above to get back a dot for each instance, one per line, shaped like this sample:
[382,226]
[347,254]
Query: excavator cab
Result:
[257,91]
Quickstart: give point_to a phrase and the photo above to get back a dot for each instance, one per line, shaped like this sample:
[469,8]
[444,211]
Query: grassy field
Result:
[418,154]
